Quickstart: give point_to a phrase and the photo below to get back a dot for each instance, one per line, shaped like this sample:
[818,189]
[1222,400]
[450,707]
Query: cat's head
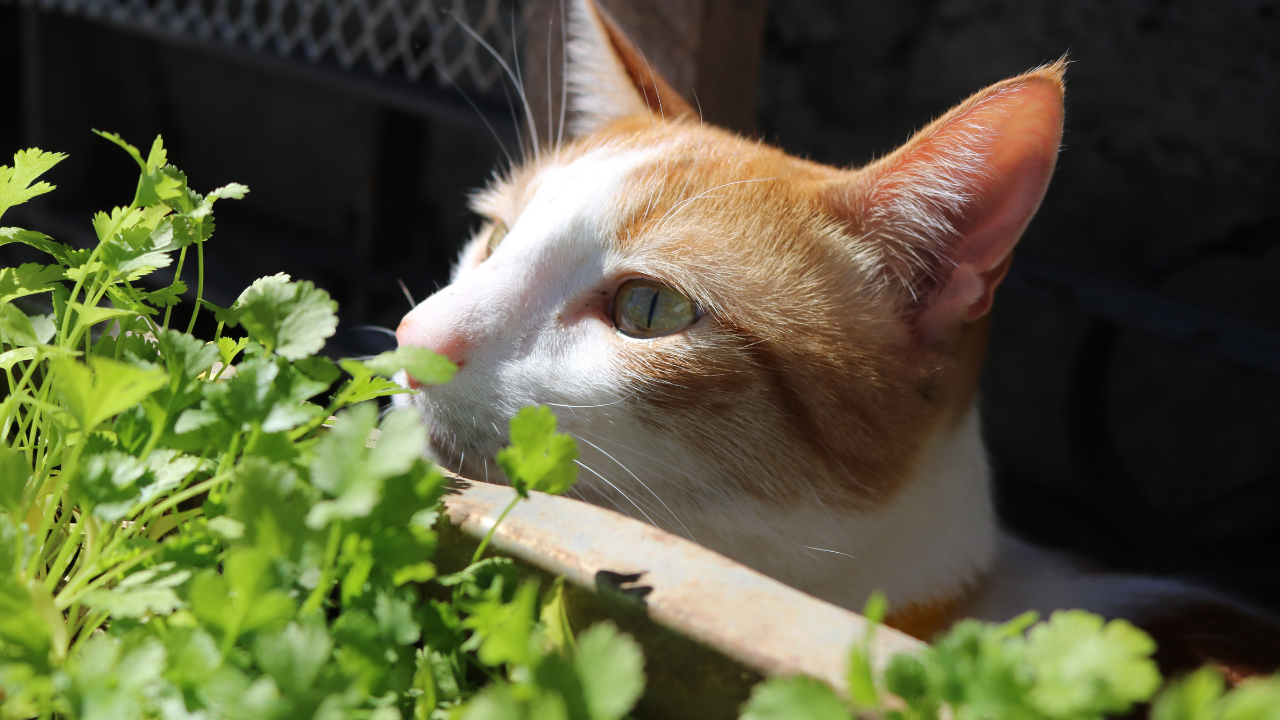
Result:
[714,319]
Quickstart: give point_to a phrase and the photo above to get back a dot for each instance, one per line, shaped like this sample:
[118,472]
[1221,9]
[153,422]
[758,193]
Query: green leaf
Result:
[228,348]
[146,592]
[116,678]
[233,191]
[102,389]
[1084,668]
[138,250]
[39,241]
[862,685]
[1194,697]
[167,296]
[88,316]
[876,607]
[610,666]
[133,151]
[1257,699]
[24,632]
[17,329]
[364,385]
[16,181]
[539,458]
[505,630]
[292,319]
[15,473]
[423,365]
[907,677]
[793,698]
[242,600]
[295,656]
[110,483]
[28,279]
[353,474]
[268,498]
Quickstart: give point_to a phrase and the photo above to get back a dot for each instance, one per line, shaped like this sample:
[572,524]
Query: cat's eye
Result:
[496,234]
[647,308]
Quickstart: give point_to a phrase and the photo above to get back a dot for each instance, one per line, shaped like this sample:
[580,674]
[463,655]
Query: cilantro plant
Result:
[1074,666]
[207,529]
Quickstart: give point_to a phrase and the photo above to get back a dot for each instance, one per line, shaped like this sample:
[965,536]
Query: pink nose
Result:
[414,331]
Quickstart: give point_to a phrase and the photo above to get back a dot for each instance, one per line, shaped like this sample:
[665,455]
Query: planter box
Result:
[711,628]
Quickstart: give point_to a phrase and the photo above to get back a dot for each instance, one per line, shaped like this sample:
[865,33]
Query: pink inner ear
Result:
[965,188]
[1026,123]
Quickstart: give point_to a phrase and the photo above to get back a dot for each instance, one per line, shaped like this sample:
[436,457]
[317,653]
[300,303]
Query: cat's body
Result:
[775,358]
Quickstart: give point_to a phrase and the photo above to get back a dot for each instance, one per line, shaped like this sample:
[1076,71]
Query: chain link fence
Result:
[415,38]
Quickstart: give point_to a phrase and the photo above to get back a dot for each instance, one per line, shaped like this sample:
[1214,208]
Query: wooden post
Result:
[709,50]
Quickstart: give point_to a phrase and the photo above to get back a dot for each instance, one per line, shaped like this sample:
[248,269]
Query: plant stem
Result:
[177,276]
[485,542]
[199,285]
[326,574]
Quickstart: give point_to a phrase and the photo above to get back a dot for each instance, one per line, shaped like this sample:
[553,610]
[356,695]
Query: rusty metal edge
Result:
[751,618]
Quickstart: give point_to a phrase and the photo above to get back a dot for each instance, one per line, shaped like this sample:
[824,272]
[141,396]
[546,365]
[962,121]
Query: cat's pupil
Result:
[646,308]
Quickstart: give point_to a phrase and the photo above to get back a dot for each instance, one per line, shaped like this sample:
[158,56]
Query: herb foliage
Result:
[194,529]
[1074,666]
[200,530]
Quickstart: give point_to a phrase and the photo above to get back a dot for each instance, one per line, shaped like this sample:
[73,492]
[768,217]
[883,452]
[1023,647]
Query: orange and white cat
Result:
[773,357]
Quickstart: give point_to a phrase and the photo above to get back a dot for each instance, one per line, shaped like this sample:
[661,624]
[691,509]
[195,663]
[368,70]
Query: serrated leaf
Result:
[87,316]
[539,458]
[243,600]
[16,181]
[610,666]
[39,241]
[167,296]
[28,279]
[110,483]
[352,474]
[505,630]
[228,349]
[233,191]
[102,389]
[364,385]
[423,365]
[1085,668]
[146,592]
[292,319]
[793,698]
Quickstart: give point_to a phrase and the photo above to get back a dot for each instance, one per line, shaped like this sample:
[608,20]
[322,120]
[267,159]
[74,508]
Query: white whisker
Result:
[515,78]
[407,295]
[588,468]
[643,485]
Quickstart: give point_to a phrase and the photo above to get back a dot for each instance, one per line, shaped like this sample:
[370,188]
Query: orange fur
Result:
[832,375]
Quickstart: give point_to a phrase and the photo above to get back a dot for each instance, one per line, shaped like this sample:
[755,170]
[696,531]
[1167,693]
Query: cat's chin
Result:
[464,462]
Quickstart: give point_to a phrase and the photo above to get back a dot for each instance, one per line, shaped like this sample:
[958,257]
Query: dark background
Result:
[1135,445]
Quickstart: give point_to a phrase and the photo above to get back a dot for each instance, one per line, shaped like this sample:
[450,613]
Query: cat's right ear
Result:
[608,77]
[945,210]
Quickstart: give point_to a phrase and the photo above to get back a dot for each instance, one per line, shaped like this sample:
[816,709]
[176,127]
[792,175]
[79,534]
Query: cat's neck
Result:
[924,548]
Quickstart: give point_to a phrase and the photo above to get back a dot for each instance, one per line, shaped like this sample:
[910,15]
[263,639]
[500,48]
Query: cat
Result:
[776,358]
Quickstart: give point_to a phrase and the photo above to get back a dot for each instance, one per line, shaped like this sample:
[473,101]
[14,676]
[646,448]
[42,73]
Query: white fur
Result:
[933,539]
[600,88]
[512,312]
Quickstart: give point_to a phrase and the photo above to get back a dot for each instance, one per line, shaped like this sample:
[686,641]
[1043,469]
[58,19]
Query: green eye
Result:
[646,309]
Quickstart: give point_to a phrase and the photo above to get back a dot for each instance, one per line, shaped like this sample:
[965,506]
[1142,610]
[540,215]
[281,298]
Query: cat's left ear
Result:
[608,77]
[947,208]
